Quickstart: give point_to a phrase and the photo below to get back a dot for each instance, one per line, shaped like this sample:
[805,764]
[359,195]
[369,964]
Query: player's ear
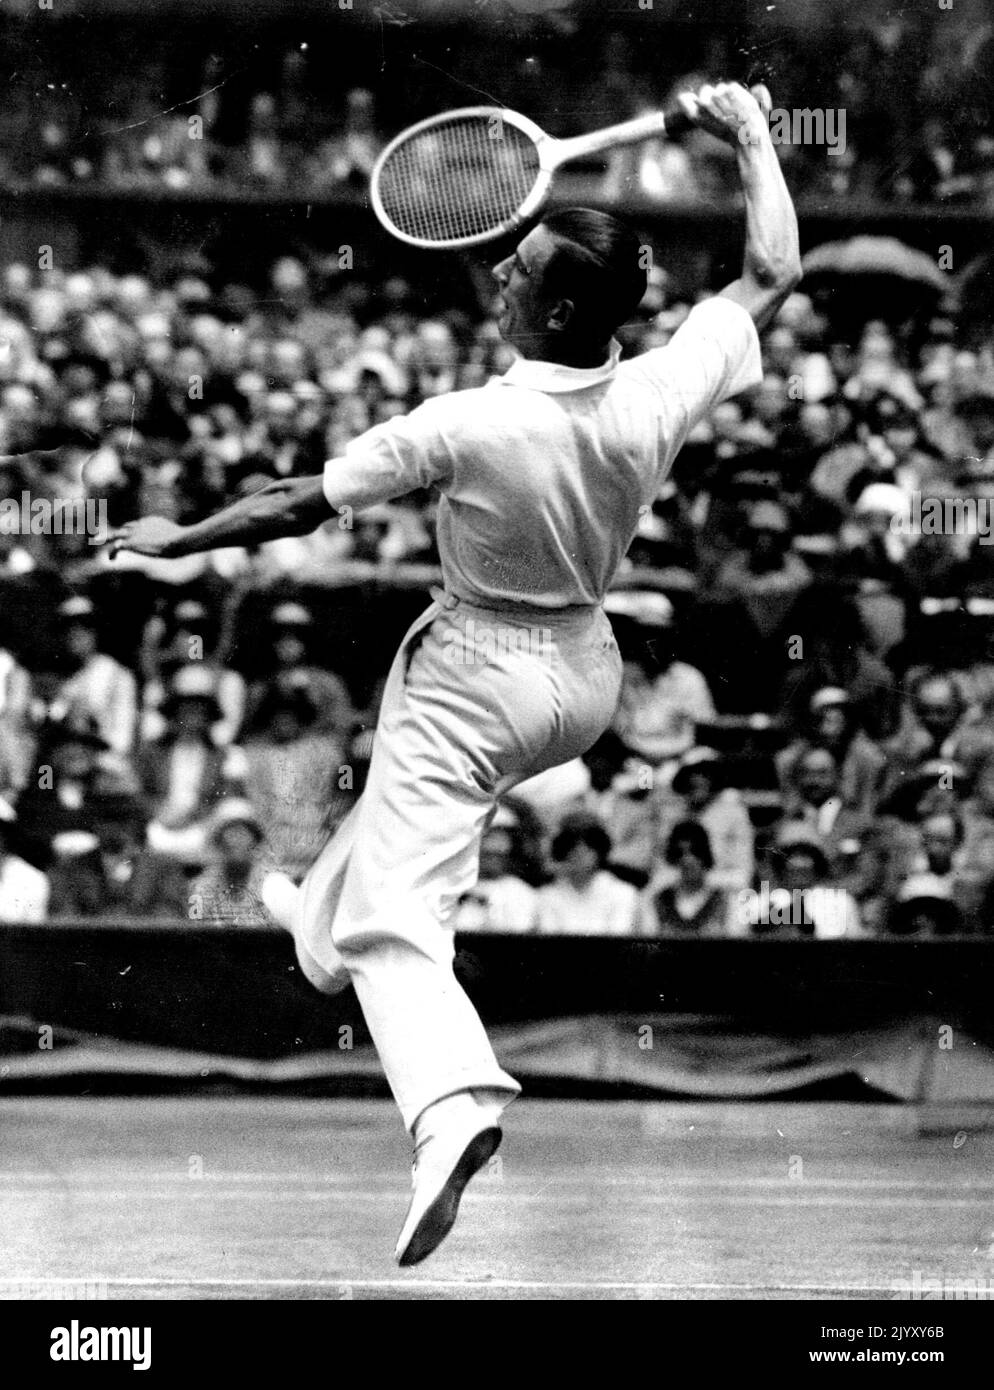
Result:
[560,316]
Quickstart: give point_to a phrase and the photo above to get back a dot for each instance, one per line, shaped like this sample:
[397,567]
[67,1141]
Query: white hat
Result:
[645,606]
[883,497]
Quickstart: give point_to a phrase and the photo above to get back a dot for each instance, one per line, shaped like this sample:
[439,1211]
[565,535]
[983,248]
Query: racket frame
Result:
[551,154]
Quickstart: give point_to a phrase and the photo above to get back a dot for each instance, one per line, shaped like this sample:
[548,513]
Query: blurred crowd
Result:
[804,743]
[249,110]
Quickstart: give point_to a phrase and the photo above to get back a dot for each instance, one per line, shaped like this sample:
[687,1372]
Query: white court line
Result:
[524,1284]
[637,1181]
[798,1198]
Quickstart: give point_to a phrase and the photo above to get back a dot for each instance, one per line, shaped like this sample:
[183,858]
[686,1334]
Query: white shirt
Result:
[543,470]
[505,904]
[106,690]
[606,907]
[23,891]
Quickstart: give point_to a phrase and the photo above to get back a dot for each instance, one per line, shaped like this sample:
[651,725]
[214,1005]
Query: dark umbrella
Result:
[875,277]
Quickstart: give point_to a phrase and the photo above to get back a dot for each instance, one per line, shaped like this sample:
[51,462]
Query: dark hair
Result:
[819,859]
[692,833]
[596,264]
[581,829]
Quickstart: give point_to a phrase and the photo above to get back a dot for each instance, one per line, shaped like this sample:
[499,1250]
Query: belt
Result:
[523,612]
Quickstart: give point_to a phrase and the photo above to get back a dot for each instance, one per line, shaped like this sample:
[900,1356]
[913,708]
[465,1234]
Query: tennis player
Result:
[513,668]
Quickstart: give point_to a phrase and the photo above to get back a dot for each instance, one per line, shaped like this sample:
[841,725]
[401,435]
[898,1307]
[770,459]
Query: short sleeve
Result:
[390,460]
[714,354]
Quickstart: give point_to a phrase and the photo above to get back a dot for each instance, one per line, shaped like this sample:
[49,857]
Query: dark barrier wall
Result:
[157,231]
[239,992]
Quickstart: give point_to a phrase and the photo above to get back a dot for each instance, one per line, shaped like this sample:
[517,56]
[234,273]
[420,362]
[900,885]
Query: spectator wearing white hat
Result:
[184,773]
[231,890]
[187,634]
[24,889]
[99,686]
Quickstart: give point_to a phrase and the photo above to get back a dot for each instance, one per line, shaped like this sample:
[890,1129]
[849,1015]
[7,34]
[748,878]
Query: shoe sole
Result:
[440,1217]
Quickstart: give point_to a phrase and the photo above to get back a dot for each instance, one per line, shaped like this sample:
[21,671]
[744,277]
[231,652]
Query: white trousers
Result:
[476,701]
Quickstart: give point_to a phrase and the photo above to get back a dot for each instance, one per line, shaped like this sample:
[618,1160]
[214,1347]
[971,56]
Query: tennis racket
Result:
[472,175]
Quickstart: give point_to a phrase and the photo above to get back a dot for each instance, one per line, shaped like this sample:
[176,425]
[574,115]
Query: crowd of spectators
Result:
[203,111]
[804,742]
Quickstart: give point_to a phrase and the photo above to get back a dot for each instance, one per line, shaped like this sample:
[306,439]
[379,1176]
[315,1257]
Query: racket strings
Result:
[459,179]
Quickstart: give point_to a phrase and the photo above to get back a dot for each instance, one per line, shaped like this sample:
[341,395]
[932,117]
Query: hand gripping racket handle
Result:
[651,127]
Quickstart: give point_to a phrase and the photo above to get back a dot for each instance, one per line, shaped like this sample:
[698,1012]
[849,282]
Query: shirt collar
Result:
[553,376]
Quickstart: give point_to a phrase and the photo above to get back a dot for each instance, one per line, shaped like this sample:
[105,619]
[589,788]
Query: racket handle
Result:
[652,127]
[677,121]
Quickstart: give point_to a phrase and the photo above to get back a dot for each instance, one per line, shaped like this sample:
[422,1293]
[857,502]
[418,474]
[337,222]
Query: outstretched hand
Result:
[150,535]
[727,110]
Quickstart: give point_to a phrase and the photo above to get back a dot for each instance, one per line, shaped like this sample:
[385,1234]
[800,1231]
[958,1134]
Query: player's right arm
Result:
[771,265]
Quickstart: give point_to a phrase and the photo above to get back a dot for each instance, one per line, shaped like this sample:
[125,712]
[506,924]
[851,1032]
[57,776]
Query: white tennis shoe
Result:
[444,1162]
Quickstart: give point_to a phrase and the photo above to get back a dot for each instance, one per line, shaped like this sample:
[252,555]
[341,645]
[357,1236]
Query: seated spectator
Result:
[349,155]
[23,889]
[937,785]
[837,654]
[977,850]
[766,573]
[117,875]
[56,802]
[697,793]
[691,904]
[750,604]
[16,736]
[186,635]
[184,774]
[295,774]
[584,899]
[99,687]
[814,799]
[230,891]
[874,551]
[501,901]
[832,724]
[801,899]
[290,668]
[662,699]
[940,855]
[623,794]
[924,907]
[935,725]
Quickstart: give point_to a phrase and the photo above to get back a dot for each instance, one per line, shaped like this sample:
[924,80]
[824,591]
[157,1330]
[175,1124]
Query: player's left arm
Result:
[285,507]
[388,461]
